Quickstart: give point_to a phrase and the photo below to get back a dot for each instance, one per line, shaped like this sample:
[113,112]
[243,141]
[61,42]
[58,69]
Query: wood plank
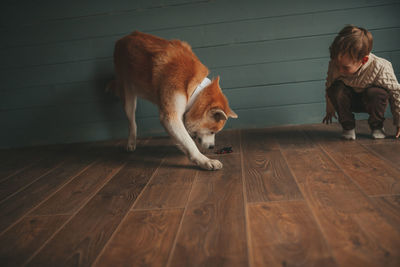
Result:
[239,97]
[18,204]
[389,152]
[267,176]
[281,72]
[71,197]
[107,158]
[225,138]
[52,11]
[220,56]
[218,34]
[23,239]
[84,236]
[153,231]
[213,228]
[171,184]
[84,132]
[292,137]
[13,161]
[370,172]
[273,116]
[346,216]
[364,132]
[286,234]
[182,16]
[283,49]
[389,206]
[25,177]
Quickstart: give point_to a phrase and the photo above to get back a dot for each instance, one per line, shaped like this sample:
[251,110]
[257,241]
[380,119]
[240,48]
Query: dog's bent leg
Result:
[130,110]
[173,124]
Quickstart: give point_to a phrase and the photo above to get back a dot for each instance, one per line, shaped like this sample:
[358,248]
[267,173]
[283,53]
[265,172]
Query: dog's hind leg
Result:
[130,109]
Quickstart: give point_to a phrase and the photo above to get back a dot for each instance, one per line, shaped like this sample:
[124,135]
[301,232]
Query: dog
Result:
[168,74]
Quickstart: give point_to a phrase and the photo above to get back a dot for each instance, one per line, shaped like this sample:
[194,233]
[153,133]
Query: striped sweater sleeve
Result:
[387,79]
[329,80]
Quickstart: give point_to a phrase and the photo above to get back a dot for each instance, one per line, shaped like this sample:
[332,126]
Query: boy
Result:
[359,81]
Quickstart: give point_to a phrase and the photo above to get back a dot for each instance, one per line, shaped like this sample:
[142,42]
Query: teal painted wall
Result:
[272,56]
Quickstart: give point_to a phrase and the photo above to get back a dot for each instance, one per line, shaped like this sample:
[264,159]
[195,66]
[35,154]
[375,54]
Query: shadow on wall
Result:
[65,112]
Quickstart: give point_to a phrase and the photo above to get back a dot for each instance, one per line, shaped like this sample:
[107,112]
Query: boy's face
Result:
[346,65]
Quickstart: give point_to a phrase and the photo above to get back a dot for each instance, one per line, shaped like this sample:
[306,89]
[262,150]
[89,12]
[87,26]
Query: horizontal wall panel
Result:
[249,118]
[276,95]
[252,53]
[56,115]
[285,50]
[270,116]
[72,114]
[24,12]
[210,35]
[77,133]
[183,16]
[272,57]
[60,73]
[44,95]
[282,72]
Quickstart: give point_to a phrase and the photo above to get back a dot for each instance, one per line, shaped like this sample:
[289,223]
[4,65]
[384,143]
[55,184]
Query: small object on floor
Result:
[349,134]
[378,133]
[224,150]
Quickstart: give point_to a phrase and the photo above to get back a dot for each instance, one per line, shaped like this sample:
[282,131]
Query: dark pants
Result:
[373,101]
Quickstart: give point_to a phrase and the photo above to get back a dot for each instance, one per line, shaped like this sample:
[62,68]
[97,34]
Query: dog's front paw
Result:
[130,147]
[211,164]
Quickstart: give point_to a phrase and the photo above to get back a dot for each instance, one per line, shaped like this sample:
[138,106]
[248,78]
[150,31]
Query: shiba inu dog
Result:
[167,73]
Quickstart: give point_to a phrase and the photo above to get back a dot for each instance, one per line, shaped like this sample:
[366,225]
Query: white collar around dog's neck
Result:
[197,91]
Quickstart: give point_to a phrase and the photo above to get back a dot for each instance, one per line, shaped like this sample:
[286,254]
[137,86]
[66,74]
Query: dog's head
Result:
[208,115]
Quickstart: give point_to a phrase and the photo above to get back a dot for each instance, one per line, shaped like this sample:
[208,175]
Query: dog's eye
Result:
[212,132]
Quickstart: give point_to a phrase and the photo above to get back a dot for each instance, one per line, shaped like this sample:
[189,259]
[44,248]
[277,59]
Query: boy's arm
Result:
[387,79]
[330,109]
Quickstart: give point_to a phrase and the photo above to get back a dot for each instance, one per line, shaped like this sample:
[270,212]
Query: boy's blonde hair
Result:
[353,41]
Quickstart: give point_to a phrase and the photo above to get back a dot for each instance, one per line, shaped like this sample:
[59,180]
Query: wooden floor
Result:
[288,196]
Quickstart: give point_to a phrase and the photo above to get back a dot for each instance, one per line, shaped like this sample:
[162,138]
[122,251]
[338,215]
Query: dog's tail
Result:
[112,88]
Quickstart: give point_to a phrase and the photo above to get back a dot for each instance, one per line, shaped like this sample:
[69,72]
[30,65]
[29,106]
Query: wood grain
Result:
[82,239]
[286,234]
[153,233]
[347,218]
[47,158]
[292,137]
[27,176]
[389,206]
[176,174]
[389,152]
[70,197]
[267,176]
[225,138]
[213,228]
[161,210]
[18,204]
[24,238]
[370,172]
[14,161]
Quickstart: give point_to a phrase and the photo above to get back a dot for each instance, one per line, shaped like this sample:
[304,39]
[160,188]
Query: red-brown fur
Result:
[161,71]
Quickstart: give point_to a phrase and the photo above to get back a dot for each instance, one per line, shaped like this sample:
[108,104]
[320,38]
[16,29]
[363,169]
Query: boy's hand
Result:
[328,117]
[398,132]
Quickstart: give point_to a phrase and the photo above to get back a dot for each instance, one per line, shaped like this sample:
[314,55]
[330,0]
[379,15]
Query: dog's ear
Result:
[218,114]
[232,114]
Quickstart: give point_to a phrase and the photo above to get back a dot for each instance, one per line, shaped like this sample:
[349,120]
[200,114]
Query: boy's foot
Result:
[349,134]
[378,133]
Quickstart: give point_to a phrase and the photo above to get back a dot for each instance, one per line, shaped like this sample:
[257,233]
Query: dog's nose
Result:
[211,147]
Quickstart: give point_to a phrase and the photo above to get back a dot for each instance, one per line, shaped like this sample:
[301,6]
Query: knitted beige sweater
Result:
[376,72]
